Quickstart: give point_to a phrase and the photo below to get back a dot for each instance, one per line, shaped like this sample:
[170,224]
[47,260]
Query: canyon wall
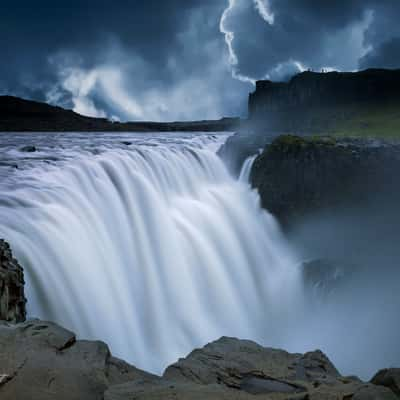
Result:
[321,102]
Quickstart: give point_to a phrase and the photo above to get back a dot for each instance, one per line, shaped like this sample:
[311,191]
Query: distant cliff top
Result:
[20,115]
[330,102]
[314,88]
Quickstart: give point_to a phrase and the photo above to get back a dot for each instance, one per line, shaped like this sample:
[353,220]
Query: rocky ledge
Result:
[40,360]
[297,176]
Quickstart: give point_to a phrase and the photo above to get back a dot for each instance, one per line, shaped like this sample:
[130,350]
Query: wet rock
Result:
[299,176]
[28,149]
[243,144]
[40,360]
[126,143]
[323,277]
[12,298]
[389,378]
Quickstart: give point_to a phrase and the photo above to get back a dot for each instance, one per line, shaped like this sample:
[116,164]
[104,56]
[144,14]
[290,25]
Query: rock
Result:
[12,298]
[372,392]
[126,143]
[229,361]
[322,277]
[28,149]
[40,360]
[163,389]
[298,176]
[316,103]
[240,146]
[389,378]
[240,369]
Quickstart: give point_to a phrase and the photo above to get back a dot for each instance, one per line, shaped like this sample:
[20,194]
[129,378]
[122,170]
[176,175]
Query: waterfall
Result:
[154,250]
[244,175]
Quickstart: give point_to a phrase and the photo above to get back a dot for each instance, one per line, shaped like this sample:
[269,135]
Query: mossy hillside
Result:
[365,120]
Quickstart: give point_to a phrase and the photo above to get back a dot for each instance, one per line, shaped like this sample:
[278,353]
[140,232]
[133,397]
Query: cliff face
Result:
[298,176]
[12,299]
[322,102]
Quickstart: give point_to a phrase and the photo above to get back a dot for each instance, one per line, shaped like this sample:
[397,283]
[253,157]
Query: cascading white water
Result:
[154,250]
[244,175]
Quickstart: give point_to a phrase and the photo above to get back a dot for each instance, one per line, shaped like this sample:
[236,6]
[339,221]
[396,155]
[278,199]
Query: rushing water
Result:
[144,241]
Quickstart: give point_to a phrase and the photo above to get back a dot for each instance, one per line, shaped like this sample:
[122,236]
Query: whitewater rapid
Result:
[152,249]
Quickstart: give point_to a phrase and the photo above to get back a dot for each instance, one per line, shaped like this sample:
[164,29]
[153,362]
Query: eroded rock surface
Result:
[239,369]
[389,378]
[40,360]
[12,299]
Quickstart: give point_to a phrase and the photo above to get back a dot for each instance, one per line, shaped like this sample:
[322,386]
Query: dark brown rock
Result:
[12,298]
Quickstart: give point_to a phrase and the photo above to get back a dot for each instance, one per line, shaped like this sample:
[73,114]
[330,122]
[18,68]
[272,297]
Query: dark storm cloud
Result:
[387,54]
[176,59]
[306,34]
[132,59]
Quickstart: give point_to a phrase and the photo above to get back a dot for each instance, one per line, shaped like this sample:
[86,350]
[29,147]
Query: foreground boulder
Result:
[239,369]
[40,360]
[12,299]
[389,378]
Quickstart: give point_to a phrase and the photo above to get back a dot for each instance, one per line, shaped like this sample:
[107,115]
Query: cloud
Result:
[292,36]
[386,54]
[135,60]
[180,59]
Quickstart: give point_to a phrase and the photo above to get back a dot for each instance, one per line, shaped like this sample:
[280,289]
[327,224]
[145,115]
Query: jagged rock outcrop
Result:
[296,176]
[12,298]
[240,369]
[240,146]
[389,378]
[40,360]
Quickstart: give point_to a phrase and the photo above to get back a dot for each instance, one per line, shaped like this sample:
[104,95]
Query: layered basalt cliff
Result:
[360,104]
[297,176]
[324,102]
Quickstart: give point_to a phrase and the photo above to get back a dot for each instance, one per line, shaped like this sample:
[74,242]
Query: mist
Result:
[357,322]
